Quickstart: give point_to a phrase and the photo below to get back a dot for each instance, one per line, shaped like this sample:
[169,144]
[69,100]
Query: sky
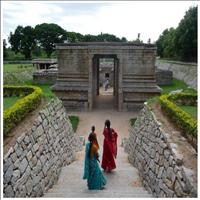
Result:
[123,19]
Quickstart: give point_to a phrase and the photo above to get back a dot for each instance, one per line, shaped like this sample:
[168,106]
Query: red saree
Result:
[109,150]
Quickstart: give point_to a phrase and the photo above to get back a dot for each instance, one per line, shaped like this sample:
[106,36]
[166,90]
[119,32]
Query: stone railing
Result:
[34,163]
[186,72]
[160,167]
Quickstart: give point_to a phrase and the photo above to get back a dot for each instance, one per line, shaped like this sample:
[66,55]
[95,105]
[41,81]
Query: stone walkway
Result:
[123,182]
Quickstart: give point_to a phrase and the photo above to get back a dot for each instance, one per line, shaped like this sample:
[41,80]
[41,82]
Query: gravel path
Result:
[122,182]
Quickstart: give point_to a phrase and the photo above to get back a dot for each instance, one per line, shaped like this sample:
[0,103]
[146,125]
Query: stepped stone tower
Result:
[134,81]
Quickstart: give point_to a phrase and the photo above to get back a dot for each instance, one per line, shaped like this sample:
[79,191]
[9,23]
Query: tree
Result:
[5,54]
[124,39]
[23,40]
[48,35]
[165,44]
[180,43]
[186,36]
[74,37]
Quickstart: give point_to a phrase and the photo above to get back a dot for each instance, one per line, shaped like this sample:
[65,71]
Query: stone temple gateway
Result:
[77,82]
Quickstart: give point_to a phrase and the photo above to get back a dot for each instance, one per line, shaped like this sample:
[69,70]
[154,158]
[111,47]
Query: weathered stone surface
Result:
[178,189]
[8,174]
[29,186]
[23,165]
[29,155]
[26,140]
[19,151]
[35,147]
[16,176]
[13,156]
[162,174]
[9,191]
[6,164]
[166,153]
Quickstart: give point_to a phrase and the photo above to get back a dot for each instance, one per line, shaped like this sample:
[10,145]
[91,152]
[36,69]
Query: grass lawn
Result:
[9,101]
[46,90]
[17,67]
[74,121]
[47,93]
[191,110]
[176,85]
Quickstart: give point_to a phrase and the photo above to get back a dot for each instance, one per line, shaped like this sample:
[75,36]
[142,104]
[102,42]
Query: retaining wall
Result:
[186,72]
[45,77]
[34,163]
[160,168]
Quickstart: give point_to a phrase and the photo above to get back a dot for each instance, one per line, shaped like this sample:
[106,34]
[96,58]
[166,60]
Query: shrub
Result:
[13,115]
[181,118]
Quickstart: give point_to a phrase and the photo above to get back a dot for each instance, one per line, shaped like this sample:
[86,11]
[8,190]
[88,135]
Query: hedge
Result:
[184,98]
[181,118]
[13,115]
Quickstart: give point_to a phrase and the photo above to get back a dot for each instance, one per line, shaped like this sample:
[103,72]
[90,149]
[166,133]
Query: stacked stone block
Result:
[34,163]
[45,77]
[161,171]
[164,77]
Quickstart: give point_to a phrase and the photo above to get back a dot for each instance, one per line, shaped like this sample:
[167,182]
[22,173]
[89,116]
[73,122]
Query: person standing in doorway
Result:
[109,148]
[106,84]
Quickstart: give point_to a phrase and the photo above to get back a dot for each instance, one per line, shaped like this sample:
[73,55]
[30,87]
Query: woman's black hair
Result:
[91,138]
[107,124]
[93,129]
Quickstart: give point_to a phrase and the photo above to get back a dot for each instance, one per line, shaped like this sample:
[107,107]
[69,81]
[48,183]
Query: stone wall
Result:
[42,77]
[186,72]
[159,166]
[164,77]
[78,67]
[34,162]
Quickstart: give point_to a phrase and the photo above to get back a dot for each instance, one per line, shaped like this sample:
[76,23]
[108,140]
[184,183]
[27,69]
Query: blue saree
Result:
[92,171]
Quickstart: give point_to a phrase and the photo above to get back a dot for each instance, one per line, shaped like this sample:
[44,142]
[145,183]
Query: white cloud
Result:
[119,18]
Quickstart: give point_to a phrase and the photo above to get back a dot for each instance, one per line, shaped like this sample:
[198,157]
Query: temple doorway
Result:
[105,81]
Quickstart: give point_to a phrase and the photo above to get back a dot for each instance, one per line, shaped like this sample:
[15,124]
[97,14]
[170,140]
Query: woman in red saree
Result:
[109,148]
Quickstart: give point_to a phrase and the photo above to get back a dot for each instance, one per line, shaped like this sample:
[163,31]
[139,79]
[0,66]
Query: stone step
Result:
[122,182]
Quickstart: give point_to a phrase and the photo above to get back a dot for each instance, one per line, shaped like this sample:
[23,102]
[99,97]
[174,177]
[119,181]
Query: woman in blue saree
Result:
[92,171]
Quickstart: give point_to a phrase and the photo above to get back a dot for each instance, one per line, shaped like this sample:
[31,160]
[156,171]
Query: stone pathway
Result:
[123,182]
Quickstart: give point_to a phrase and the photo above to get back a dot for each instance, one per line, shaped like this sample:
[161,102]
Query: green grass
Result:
[47,93]
[74,121]
[191,110]
[132,121]
[177,85]
[9,101]
[17,67]
[46,90]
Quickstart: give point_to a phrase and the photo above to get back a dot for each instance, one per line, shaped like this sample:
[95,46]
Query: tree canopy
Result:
[43,37]
[23,40]
[47,35]
[180,43]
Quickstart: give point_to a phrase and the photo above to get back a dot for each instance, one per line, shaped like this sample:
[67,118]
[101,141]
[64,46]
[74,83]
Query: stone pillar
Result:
[90,85]
[120,91]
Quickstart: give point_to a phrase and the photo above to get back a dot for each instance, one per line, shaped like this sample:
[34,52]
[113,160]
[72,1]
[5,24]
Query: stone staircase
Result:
[123,182]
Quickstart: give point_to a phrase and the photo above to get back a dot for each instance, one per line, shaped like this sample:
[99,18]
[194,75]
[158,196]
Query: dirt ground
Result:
[178,142]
